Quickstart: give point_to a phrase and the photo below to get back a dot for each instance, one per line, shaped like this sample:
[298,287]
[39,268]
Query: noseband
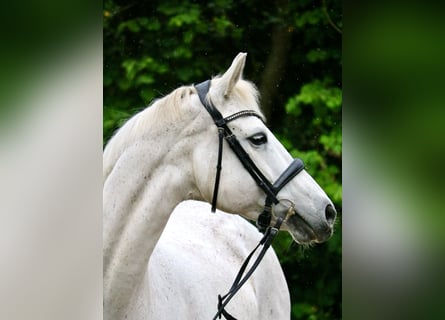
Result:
[271,190]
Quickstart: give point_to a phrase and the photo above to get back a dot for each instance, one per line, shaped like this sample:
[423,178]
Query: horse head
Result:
[307,212]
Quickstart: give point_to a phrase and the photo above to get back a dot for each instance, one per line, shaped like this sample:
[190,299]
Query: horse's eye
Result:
[258,139]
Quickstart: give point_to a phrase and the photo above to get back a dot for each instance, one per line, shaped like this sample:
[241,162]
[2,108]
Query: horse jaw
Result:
[311,221]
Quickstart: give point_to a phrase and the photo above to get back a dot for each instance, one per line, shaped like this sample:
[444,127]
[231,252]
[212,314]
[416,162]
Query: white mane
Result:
[161,113]
[157,115]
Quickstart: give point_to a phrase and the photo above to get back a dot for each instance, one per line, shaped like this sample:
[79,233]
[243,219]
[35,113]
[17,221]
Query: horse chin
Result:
[301,231]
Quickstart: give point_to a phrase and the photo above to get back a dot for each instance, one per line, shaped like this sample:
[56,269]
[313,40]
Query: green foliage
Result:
[324,102]
[152,47]
[310,17]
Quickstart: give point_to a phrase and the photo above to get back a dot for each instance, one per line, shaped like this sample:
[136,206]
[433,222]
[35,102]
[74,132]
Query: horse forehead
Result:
[239,103]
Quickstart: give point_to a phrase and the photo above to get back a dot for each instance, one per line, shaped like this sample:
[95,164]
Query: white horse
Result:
[197,257]
[167,154]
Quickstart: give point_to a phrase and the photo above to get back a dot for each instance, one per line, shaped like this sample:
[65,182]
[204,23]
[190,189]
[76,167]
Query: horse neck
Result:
[146,183]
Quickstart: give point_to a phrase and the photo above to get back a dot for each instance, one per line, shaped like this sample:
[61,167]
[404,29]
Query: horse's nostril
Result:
[330,214]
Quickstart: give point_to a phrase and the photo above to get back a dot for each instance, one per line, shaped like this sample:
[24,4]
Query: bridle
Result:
[270,189]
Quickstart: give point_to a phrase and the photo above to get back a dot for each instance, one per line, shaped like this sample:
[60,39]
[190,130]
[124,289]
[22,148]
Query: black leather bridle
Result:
[271,191]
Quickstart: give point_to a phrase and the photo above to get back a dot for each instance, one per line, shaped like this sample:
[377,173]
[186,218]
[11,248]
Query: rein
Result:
[270,189]
[266,241]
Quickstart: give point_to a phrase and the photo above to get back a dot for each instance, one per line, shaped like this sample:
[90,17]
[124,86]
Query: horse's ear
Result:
[233,74]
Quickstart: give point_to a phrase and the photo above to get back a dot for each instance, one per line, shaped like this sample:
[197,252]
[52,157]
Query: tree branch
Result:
[274,69]
[325,11]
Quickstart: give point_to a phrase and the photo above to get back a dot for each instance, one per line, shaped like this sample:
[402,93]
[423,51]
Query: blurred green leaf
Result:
[309,17]
[316,55]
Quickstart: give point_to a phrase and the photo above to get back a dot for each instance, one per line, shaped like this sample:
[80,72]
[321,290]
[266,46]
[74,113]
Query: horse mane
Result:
[157,114]
[160,113]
